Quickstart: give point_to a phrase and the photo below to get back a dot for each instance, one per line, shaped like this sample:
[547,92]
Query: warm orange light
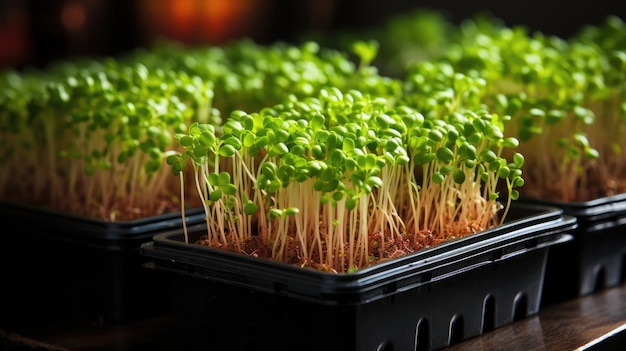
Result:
[73,16]
[213,21]
[14,39]
[222,17]
[183,15]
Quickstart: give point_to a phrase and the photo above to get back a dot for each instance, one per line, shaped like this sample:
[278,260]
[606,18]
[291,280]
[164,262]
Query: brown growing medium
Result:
[399,247]
[118,207]
[604,177]
[595,184]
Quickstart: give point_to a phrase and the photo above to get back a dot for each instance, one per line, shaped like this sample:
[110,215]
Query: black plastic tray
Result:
[596,258]
[426,300]
[592,211]
[97,233]
[58,268]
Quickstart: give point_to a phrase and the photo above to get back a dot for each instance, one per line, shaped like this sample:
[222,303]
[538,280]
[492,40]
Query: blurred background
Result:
[36,32]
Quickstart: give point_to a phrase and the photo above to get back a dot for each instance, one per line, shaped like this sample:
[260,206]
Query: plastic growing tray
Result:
[422,301]
[59,268]
[596,258]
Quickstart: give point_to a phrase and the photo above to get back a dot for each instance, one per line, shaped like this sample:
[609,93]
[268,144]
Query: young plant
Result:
[97,130]
[600,51]
[538,81]
[19,143]
[419,35]
[94,136]
[249,76]
[344,180]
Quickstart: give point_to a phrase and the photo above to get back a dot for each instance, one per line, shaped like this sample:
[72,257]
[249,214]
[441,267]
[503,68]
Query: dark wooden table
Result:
[594,323]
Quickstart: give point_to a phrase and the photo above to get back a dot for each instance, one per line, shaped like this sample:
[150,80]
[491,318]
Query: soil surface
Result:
[377,253]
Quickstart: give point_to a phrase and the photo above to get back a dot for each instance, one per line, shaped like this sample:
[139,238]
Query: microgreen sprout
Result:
[600,51]
[545,84]
[344,179]
[97,131]
[94,136]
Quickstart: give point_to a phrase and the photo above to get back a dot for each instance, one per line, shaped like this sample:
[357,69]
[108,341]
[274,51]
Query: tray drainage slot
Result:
[385,346]
[456,329]
[520,307]
[489,314]
[422,335]
[599,279]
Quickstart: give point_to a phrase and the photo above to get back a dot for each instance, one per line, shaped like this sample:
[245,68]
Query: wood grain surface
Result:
[595,322]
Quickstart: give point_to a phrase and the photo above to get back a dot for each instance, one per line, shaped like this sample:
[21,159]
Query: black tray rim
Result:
[549,226]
